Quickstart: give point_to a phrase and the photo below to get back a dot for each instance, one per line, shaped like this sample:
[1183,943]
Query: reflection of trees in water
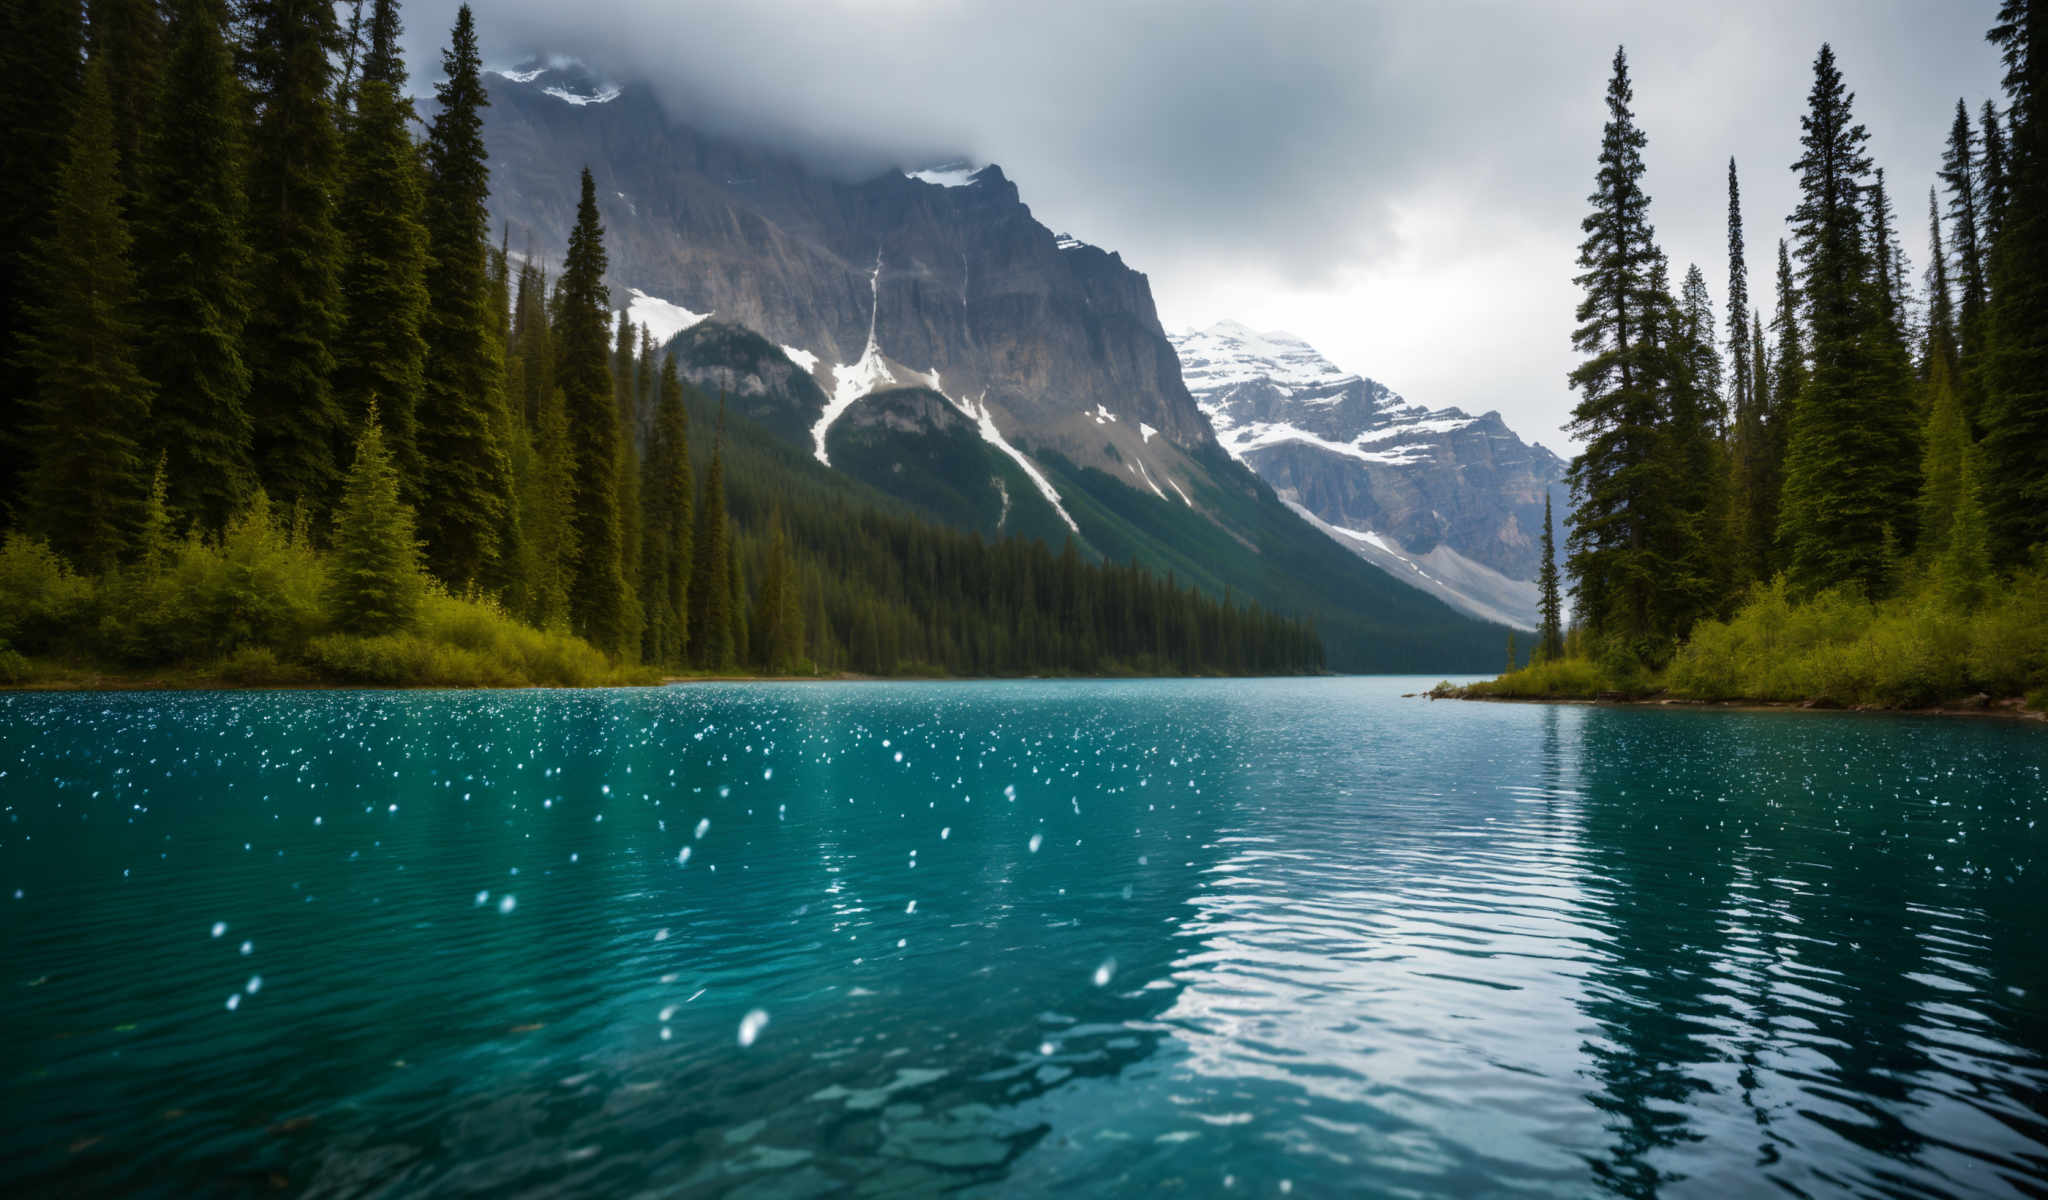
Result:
[1659,880]
[1806,902]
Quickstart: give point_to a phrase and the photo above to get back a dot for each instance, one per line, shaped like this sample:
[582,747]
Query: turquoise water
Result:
[1231,937]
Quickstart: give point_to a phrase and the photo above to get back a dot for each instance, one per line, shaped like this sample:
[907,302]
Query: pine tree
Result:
[1551,643]
[1888,262]
[379,351]
[1959,175]
[1696,555]
[1617,481]
[625,379]
[736,596]
[383,59]
[1851,461]
[86,490]
[294,179]
[376,582]
[129,37]
[191,257]
[532,341]
[547,514]
[1941,319]
[466,478]
[2015,416]
[1992,194]
[1943,447]
[597,596]
[41,43]
[665,561]
[710,594]
[1741,401]
[157,540]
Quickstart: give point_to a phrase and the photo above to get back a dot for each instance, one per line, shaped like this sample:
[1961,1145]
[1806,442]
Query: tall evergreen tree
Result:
[1749,451]
[625,380]
[710,595]
[1618,480]
[294,177]
[377,583]
[1551,639]
[89,481]
[380,352]
[1851,462]
[41,45]
[1992,194]
[466,477]
[191,259]
[1740,400]
[665,560]
[1943,448]
[1888,262]
[1941,314]
[1959,174]
[383,57]
[129,37]
[597,596]
[2015,416]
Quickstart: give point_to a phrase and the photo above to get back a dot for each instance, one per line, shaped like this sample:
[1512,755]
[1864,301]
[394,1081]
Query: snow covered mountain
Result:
[920,330]
[1445,501]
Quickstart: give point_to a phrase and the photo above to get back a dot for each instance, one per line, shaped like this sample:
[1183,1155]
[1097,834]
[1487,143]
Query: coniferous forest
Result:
[1851,503]
[275,406]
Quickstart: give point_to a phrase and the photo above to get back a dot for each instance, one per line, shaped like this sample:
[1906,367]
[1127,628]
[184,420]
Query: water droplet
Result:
[507,903]
[945,833]
[254,985]
[682,856]
[1103,972]
[234,1001]
[703,826]
[910,908]
[219,927]
[1037,839]
[1045,1049]
[661,935]
[751,1026]
[483,898]
[248,947]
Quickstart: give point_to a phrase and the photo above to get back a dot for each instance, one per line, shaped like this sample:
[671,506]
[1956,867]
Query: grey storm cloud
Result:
[1399,182]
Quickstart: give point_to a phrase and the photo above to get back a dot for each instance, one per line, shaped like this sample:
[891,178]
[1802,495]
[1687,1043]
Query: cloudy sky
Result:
[1399,182]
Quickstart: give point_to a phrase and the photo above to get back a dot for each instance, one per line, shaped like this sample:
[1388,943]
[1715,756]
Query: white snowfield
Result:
[662,319]
[950,175]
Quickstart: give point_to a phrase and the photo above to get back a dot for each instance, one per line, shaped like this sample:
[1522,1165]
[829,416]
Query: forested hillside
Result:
[275,406]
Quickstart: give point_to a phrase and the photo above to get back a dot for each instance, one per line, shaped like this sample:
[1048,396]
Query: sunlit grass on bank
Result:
[1930,644]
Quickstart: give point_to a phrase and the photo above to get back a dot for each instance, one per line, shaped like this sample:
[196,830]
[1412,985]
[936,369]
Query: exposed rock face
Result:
[955,280]
[1439,491]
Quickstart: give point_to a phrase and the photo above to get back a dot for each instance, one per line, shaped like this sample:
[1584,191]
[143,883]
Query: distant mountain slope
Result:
[1038,360]
[1448,502]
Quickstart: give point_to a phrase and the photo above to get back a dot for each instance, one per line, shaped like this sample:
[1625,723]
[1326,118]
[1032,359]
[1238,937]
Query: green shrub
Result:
[44,604]
[1561,679]
[404,660]
[15,666]
[259,666]
[526,653]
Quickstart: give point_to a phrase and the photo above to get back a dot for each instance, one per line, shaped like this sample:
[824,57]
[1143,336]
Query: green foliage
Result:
[1851,459]
[597,592]
[463,643]
[259,666]
[294,181]
[191,259]
[41,55]
[711,642]
[376,569]
[2015,415]
[665,559]
[380,353]
[86,487]
[1558,679]
[466,476]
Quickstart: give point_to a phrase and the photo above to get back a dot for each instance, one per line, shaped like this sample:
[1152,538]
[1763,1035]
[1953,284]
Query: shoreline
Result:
[85,681]
[2010,708]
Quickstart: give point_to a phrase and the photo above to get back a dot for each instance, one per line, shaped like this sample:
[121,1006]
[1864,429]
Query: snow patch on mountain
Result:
[1227,353]
[949,175]
[1472,588]
[663,319]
